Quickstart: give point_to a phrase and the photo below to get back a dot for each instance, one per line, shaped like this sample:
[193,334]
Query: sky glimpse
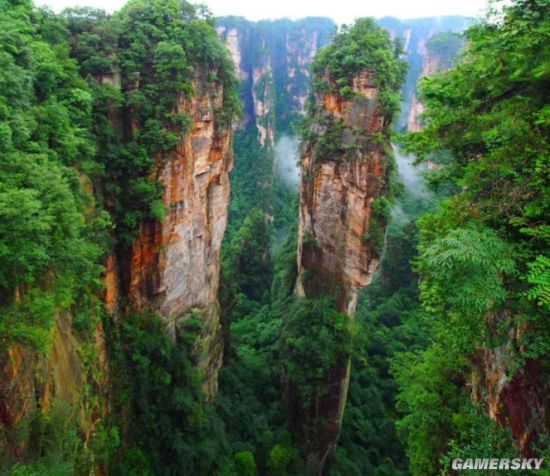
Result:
[342,11]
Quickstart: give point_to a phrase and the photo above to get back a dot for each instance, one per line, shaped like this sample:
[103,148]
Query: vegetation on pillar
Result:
[363,46]
[91,104]
[346,163]
[356,96]
[161,55]
[73,144]
[171,429]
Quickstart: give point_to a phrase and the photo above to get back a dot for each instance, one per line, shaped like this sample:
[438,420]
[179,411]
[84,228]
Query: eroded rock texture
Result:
[431,64]
[272,60]
[338,190]
[517,398]
[57,384]
[338,250]
[173,267]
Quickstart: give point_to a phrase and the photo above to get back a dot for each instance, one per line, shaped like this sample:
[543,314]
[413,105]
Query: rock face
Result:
[301,46]
[415,34]
[263,99]
[273,61]
[337,249]
[58,383]
[337,193]
[172,269]
[256,76]
[518,400]
[233,39]
[431,64]
[173,266]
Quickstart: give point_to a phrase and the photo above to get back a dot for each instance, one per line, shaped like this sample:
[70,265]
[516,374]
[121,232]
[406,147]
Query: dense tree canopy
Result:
[89,105]
[359,47]
[50,231]
[483,254]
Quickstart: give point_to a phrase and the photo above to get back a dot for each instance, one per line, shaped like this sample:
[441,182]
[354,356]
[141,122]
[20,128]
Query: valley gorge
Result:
[233,274]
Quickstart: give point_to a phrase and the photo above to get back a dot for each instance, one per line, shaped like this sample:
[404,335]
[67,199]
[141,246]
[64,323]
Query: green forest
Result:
[444,355]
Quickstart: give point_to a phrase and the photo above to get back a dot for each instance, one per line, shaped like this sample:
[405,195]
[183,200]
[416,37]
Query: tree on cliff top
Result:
[362,46]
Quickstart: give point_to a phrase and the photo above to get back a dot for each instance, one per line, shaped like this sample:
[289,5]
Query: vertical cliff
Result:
[67,383]
[438,53]
[174,264]
[132,187]
[273,60]
[167,188]
[431,64]
[345,169]
[516,399]
[346,165]
[423,55]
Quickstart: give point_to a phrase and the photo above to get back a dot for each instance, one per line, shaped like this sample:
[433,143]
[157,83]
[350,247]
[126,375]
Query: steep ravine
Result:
[185,300]
[272,60]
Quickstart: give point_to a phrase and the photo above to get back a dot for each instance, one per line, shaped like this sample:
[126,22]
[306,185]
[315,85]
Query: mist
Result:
[286,160]
[410,175]
[412,178]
